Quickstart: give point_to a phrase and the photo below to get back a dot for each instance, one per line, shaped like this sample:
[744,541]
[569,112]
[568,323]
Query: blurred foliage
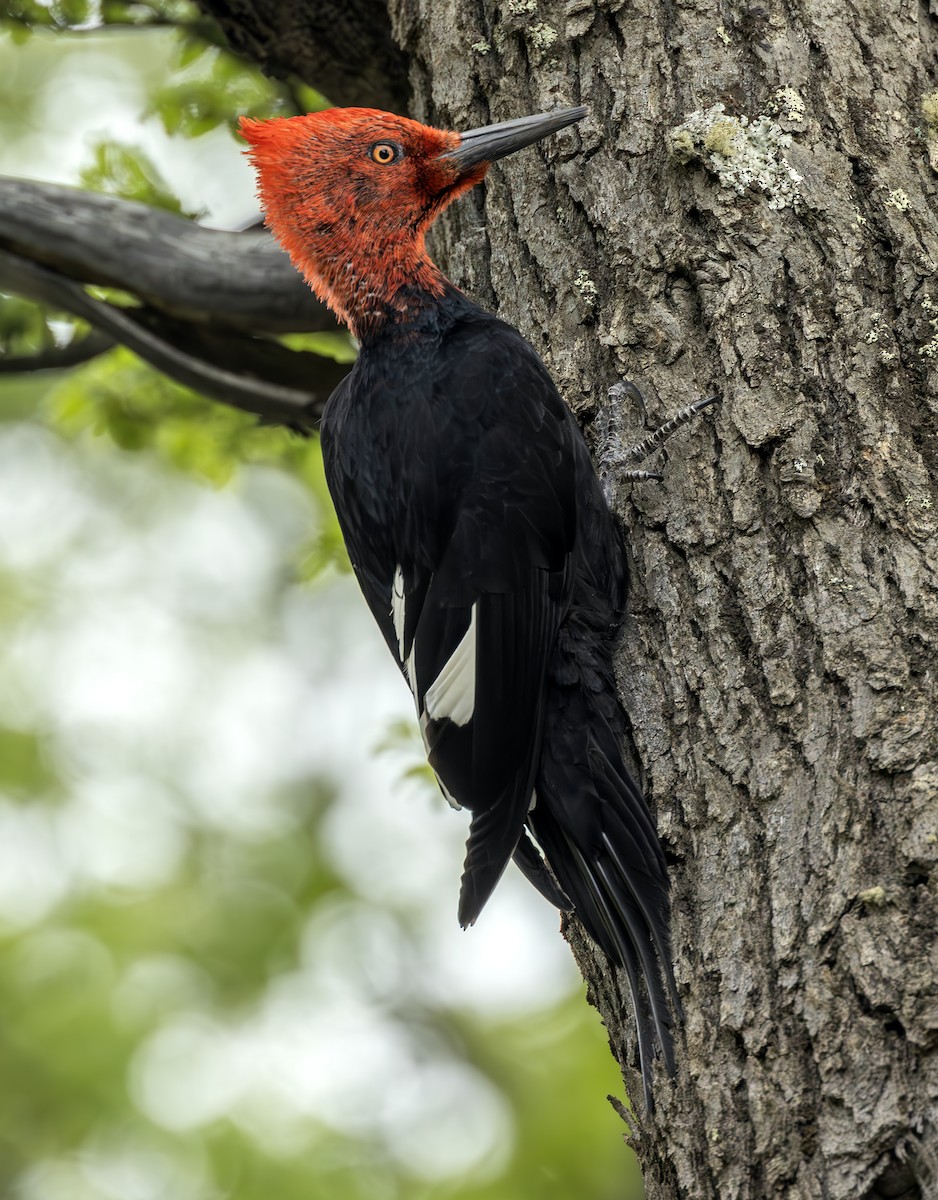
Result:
[24,327]
[403,739]
[169,945]
[121,396]
[211,87]
[126,171]
[72,15]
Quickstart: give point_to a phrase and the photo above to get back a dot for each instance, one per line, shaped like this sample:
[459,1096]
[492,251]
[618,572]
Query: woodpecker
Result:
[478,531]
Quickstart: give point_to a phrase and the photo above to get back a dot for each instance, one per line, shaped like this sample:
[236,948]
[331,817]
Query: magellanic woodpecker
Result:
[477,529]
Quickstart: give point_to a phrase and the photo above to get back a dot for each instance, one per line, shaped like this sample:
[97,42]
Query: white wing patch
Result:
[397,610]
[399,619]
[453,692]
[410,670]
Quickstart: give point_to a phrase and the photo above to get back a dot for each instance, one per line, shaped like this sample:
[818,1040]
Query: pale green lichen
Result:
[878,330]
[481,47]
[873,897]
[742,154]
[930,348]
[723,35]
[720,138]
[789,105]
[583,283]
[682,145]
[519,8]
[898,200]
[542,35]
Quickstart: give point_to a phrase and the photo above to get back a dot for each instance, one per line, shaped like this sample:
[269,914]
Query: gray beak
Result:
[495,141]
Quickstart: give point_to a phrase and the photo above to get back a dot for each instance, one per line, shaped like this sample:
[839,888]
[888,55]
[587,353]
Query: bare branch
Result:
[210,276]
[225,366]
[57,358]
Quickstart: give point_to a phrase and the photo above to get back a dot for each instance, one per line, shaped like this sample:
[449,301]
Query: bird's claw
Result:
[612,461]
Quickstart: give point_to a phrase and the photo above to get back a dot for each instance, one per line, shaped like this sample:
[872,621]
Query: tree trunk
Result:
[343,48]
[779,658]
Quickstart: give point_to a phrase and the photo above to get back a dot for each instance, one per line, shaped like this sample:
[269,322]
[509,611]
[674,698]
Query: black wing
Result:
[471,521]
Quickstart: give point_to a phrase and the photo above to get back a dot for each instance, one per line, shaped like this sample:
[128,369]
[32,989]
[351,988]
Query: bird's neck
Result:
[370,285]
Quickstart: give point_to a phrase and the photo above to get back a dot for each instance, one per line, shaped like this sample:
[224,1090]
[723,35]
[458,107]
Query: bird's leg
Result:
[641,476]
[643,448]
[612,460]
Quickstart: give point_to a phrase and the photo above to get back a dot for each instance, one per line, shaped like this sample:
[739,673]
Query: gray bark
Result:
[169,263]
[779,658]
[281,386]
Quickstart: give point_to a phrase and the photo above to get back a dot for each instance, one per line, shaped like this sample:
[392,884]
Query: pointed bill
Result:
[490,142]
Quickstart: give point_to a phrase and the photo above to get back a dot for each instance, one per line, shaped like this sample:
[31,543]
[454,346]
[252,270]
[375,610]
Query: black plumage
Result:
[457,469]
[478,531]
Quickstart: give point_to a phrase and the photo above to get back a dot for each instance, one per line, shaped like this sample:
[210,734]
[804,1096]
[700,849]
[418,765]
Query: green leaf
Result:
[337,346]
[24,326]
[121,170]
[310,100]
[189,49]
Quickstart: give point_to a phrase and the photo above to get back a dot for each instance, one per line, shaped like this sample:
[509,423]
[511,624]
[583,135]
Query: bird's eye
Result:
[385,152]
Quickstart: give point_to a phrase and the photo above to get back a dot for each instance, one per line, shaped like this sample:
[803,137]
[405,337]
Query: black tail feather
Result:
[619,945]
[493,839]
[659,933]
[535,870]
[638,931]
[598,837]
[605,900]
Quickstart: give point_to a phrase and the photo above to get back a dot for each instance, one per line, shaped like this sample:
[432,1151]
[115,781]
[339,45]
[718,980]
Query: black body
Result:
[467,497]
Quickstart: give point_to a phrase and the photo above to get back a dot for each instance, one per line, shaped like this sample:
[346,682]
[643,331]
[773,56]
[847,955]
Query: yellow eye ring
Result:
[384,153]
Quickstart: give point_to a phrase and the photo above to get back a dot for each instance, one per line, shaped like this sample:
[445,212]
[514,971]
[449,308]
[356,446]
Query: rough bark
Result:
[779,659]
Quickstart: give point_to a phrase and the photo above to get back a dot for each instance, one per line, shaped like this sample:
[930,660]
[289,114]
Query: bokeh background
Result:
[229,958]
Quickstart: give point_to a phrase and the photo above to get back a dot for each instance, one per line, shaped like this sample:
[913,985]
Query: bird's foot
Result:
[641,476]
[659,436]
[612,460]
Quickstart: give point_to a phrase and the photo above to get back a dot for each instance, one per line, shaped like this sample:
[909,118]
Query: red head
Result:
[350,192]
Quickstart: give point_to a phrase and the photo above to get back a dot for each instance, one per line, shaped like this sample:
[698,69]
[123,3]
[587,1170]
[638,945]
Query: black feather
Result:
[452,459]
